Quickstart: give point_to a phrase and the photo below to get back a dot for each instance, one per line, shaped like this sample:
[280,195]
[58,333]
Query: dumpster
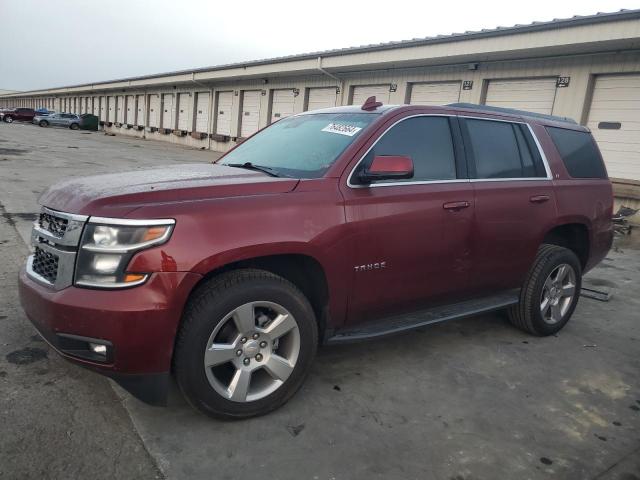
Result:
[88,122]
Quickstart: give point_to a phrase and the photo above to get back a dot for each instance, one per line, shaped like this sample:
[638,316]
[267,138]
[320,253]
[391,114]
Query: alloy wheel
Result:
[558,293]
[252,351]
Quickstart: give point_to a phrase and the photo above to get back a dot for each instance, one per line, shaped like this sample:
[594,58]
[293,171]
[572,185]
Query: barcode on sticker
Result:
[342,129]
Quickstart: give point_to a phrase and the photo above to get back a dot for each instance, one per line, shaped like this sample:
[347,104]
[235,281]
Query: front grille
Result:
[53,224]
[45,264]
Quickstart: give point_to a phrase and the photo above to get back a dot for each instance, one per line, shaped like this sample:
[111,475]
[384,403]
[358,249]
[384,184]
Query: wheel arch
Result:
[303,270]
[573,235]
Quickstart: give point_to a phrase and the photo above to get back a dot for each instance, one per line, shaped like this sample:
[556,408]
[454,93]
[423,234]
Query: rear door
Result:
[410,247]
[514,201]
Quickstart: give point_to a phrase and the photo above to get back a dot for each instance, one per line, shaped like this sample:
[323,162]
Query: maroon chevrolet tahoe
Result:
[18,114]
[326,227]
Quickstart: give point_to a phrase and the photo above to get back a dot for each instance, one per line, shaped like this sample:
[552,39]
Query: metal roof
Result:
[576,20]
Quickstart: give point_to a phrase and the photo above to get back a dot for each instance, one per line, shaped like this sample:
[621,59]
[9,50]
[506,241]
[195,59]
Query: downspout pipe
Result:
[331,75]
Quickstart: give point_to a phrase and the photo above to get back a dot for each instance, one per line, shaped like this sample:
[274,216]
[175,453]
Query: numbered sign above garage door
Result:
[614,120]
[130,114]
[140,118]
[322,98]
[167,110]
[154,111]
[534,94]
[362,92]
[250,120]
[282,104]
[184,112]
[223,113]
[202,112]
[436,93]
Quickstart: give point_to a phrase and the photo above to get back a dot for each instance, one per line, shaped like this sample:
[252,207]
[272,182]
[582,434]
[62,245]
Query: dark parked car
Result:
[326,227]
[19,115]
[69,120]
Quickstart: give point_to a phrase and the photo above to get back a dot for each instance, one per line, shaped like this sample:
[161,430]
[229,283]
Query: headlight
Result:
[107,246]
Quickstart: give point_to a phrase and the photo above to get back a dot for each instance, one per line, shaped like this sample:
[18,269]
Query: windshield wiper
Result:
[251,166]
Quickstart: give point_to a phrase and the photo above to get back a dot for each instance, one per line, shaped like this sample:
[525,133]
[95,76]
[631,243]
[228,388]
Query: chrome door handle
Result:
[456,206]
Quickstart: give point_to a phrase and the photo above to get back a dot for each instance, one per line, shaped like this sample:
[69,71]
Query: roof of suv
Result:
[457,108]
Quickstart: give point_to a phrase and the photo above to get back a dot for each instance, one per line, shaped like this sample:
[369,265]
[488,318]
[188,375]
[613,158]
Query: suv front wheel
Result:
[246,344]
[550,293]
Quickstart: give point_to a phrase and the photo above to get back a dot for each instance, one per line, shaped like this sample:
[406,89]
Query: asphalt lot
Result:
[464,400]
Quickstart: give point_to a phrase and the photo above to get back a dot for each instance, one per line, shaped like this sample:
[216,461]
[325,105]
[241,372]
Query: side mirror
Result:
[388,167]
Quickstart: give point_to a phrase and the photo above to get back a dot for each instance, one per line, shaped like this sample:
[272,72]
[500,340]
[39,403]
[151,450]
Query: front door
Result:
[410,239]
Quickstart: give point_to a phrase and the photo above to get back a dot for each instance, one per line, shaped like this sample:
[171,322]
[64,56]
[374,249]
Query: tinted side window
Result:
[502,150]
[578,152]
[427,140]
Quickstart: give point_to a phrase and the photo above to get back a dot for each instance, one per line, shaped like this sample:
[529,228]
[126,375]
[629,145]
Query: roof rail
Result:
[512,111]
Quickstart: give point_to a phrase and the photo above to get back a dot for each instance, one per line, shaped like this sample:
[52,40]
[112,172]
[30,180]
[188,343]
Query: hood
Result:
[117,194]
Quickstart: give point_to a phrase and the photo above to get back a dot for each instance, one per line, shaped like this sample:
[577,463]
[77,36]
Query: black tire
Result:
[527,314]
[8,119]
[207,308]
[43,123]
[74,126]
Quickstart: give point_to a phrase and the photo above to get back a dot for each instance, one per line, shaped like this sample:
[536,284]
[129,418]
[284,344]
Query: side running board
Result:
[398,324]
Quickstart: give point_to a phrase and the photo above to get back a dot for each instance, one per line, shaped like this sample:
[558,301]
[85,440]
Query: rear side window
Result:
[579,153]
[427,140]
[502,150]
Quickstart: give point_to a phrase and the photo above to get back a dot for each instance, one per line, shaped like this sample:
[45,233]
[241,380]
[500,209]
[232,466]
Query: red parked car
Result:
[18,115]
[326,227]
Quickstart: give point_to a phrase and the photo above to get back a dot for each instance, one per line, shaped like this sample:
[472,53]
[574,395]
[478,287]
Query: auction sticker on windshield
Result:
[342,129]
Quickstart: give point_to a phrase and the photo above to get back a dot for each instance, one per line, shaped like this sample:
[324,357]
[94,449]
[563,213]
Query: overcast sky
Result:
[47,43]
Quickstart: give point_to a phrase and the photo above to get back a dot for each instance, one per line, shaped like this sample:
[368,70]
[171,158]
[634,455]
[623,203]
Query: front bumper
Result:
[139,324]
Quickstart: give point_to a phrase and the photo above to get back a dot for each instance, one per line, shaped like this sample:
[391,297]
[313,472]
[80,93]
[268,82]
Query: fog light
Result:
[98,349]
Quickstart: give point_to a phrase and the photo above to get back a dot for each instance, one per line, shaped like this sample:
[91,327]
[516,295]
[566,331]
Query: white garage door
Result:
[184,111]
[202,112]
[534,94]
[96,106]
[154,110]
[140,120]
[103,109]
[282,104]
[362,92]
[437,93]
[322,98]
[111,109]
[223,113]
[250,112]
[130,114]
[614,119]
[120,108]
[167,110]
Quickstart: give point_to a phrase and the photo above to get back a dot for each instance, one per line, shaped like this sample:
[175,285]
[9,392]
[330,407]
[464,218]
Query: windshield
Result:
[303,146]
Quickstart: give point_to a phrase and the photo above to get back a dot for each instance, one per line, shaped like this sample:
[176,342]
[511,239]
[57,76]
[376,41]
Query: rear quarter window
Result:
[578,152]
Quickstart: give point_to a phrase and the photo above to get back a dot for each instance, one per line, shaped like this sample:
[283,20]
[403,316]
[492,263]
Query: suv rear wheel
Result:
[550,293]
[8,119]
[43,123]
[74,126]
[246,344]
